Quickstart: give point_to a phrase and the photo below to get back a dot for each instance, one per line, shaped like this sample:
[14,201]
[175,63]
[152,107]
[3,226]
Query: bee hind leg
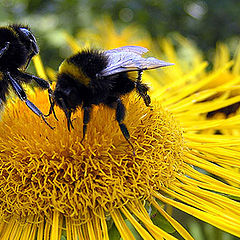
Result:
[142,89]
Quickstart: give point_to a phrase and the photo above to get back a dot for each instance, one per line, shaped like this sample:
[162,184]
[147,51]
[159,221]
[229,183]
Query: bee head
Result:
[27,38]
[62,101]
[66,98]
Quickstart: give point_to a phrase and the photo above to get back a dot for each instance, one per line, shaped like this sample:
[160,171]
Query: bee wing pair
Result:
[128,58]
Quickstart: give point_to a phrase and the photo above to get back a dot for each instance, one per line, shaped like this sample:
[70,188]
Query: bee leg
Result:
[52,104]
[120,115]
[69,121]
[139,78]
[142,89]
[51,110]
[86,119]
[45,85]
[22,95]
[37,111]
[26,77]
[4,49]
[68,114]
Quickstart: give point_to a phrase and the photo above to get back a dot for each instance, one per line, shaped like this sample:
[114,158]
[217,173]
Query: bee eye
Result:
[28,34]
[32,40]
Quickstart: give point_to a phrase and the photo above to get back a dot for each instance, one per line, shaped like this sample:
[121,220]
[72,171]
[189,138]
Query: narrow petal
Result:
[103,224]
[55,226]
[121,225]
[145,235]
[183,232]
[140,212]
[223,223]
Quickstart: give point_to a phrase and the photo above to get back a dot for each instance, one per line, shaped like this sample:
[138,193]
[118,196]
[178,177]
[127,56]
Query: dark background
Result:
[204,22]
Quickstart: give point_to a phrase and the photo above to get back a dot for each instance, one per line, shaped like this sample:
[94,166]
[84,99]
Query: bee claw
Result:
[44,119]
[52,104]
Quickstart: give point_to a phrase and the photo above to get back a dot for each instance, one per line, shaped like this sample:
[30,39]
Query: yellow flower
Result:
[51,185]
[112,37]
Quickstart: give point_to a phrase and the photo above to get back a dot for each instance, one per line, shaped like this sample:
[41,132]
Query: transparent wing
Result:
[128,58]
[135,49]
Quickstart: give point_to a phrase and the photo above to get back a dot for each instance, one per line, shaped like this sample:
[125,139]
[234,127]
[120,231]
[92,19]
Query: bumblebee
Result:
[17,47]
[93,77]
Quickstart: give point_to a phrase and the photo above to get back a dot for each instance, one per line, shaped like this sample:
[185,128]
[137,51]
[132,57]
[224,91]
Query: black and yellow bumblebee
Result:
[93,77]
[17,47]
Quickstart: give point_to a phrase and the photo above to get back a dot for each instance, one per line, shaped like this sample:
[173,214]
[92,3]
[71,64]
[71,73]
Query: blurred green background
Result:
[204,22]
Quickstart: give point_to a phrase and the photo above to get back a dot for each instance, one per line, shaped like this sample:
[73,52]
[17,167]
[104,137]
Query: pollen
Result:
[43,170]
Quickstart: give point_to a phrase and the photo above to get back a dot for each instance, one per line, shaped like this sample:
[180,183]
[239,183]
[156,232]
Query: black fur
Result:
[90,62]
[17,47]
[17,53]
[71,91]
[4,89]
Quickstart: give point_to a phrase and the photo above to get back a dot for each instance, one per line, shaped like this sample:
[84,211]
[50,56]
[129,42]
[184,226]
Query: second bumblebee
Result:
[17,47]
[93,77]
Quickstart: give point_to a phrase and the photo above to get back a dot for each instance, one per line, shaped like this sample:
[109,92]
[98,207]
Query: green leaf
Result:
[161,222]
[63,237]
[113,233]
[133,230]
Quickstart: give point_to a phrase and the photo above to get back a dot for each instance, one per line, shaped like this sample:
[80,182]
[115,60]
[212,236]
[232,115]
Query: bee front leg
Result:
[26,77]
[68,114]
[45,85]
[120,115]
[86,119]
[22,95]
[52,104]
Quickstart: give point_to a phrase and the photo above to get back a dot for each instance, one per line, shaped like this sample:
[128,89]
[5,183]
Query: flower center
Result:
[43,169]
